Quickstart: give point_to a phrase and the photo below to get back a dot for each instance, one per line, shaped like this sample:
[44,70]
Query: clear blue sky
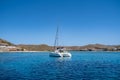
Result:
[81,21]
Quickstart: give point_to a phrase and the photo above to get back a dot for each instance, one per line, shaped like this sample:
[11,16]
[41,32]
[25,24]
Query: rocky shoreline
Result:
[38,48]
[6,46]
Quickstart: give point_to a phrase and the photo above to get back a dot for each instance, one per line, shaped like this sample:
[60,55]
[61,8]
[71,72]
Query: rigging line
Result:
[56,38]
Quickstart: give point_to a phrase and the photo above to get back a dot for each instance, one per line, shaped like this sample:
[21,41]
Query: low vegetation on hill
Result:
[5,43]
[95,47]
[44,47]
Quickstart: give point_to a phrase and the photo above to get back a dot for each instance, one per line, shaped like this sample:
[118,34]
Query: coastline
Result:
[21,51]
[50,51]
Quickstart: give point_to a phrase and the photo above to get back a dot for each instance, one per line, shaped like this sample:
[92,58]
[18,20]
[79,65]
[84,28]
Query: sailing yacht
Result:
[59,51]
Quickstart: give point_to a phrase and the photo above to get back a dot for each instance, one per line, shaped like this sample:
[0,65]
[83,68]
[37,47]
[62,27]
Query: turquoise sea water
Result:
[39,66]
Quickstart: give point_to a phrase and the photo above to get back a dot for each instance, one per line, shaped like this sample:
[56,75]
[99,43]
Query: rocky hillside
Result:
[95,47]
[42,47]
[6,46]
[5,43]
[90,47]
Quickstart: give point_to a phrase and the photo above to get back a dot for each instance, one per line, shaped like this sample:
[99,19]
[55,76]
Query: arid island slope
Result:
[6,46]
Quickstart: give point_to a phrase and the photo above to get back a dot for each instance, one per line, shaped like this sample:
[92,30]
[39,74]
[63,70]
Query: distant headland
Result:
[6,46]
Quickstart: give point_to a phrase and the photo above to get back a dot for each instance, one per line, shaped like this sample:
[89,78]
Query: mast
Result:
[56,39]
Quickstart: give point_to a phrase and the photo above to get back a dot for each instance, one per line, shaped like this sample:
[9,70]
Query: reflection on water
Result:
[63,59]
[39,66]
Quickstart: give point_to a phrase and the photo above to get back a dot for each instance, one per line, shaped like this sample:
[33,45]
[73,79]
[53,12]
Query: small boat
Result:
[59,51]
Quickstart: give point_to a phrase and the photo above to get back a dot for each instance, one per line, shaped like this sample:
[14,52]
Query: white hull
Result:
[58,54]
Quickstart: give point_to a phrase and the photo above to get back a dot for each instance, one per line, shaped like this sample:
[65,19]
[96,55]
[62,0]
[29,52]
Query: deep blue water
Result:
[39,66]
